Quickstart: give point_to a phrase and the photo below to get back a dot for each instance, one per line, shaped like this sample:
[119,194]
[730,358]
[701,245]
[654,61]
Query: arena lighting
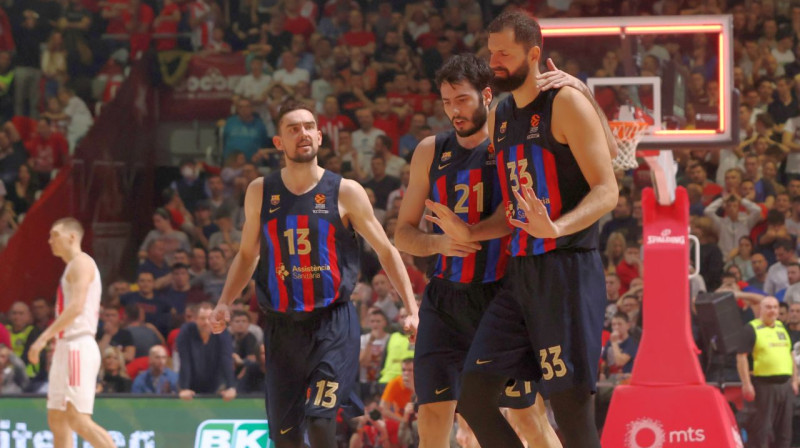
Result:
[673,29]
[685,132]
[627,26]
[588,31]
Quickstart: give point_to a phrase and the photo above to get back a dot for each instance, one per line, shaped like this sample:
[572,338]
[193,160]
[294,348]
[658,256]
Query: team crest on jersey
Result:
[320,203]
[281,272]
[503,127]
[446,156]
[509,210]
[275,199]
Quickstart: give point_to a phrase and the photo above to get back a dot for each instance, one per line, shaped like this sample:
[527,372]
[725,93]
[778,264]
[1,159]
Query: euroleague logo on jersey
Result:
[319,203]
[490,156]
[534,131]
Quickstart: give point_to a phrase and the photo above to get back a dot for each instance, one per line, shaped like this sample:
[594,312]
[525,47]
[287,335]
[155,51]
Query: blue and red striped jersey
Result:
[529,155]
[466,181]
[309,259]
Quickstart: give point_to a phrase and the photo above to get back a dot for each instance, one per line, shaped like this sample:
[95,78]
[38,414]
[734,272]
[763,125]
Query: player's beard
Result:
[478,120]
[512,81]
[302,158]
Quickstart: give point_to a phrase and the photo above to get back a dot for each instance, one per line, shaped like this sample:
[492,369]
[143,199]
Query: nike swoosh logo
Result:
[273,210]
[441,167]
[479,362]
[500,139]
[284,431]
[441,391]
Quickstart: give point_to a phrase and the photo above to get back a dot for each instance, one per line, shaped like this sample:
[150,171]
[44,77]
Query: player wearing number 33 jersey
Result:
[299,239]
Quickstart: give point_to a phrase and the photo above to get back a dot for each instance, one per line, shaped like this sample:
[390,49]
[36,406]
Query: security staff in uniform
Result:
[773,382]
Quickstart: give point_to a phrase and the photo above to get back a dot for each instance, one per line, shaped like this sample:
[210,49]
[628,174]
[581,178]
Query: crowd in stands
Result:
[366,66]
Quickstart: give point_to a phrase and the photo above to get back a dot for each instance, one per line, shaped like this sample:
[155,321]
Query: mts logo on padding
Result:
[233,434]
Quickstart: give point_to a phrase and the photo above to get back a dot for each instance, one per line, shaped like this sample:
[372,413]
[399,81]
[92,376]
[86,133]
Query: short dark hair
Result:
[292,105]
[621,315]
[465,67]
[784,243]
[386,140]
[775,217]
[526,29]
[238,313]
[217,249]
[178,266]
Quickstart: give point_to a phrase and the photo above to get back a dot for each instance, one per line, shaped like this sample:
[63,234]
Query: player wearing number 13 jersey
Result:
[299,239]
[456,170]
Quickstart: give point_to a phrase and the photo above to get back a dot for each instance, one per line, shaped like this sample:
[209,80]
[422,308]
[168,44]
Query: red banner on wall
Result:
[206,90]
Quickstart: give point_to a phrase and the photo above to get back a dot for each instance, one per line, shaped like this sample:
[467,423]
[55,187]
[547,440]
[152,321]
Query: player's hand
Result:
[34,351]
[220,318]
[410,324]
[538,222]
[186,394]
[555,78]
[228,394]
[449,247]
[748,392]
[448,221]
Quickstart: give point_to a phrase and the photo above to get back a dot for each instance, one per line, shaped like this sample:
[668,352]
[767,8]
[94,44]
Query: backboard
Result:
[691,56]
[634,98]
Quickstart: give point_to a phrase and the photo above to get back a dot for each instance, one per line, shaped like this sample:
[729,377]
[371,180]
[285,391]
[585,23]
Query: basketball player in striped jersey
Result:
[556,181]
[76,359]
[299,239]
[457,169]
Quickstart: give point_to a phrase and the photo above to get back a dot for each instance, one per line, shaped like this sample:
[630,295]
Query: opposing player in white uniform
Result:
[76,359]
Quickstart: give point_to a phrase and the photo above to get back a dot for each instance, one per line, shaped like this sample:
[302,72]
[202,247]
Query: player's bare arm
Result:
[358,211]
[245,261]
[408,237]
[79,276]
[575,123]
[556,78]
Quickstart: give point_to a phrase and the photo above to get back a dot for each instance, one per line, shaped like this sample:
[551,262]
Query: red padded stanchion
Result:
[667,403]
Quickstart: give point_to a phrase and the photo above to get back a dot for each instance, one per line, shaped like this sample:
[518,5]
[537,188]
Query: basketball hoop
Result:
[628,135]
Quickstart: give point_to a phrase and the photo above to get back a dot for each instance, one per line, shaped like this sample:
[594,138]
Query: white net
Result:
[628,135]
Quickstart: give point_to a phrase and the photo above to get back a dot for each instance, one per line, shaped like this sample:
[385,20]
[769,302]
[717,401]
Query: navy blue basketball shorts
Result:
[448,319]
[312,367]
[546,323]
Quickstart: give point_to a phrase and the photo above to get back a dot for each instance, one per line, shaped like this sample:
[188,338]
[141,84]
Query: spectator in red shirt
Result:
[112,13]
[400,94]
[47,150]
[387,121]
[295,22]
[357,35]
[167,23]
[628,268]
[138,19]
[428,40]
[6,38]
[698,175]
[331,121]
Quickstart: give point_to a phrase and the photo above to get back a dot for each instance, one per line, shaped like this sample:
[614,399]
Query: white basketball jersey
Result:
[86,322]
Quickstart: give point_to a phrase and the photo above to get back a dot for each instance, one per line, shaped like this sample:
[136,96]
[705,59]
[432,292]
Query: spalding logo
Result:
[666,238]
